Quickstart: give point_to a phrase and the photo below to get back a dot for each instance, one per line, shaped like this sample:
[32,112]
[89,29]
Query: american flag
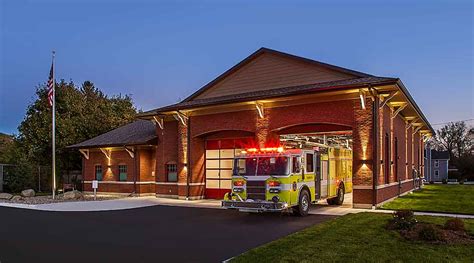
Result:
[50,86]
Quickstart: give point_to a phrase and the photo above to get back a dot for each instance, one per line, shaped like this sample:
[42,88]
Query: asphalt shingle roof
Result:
[278,92]
[439,155]
[136,133]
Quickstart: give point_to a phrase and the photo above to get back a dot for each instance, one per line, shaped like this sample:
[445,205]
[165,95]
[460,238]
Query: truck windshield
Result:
[261,166]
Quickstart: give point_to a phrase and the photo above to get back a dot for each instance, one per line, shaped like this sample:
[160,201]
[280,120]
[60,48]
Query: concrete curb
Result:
[138,202]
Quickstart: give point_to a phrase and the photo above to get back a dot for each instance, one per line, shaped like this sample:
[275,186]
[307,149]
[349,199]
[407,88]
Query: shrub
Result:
[445,181]
[429,232]
[402,220]
[461,181]
[455,224]
[431,182]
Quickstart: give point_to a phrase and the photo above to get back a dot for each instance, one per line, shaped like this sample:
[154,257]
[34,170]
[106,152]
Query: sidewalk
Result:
[138,202]
[117,204]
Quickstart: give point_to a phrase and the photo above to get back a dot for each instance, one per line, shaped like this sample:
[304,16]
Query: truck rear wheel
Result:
[339,199]
[303,204]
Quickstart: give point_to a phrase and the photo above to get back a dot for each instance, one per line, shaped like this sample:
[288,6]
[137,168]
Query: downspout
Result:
[375,120]
[136,172]
[83,172]
[188,164]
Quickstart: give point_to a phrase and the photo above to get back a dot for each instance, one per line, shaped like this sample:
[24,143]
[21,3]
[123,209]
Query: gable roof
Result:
[341,79]
[139,132]
[264,50]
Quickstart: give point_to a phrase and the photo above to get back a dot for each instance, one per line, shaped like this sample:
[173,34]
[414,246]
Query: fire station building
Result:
[269,99]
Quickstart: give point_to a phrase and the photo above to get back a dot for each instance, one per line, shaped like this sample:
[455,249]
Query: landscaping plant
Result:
[454,224]
[402,220]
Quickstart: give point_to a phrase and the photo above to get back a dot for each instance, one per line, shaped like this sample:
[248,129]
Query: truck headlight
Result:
[238,190]
[274,190]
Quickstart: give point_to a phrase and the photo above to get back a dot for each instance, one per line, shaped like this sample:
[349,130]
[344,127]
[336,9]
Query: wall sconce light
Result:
[259,107]
[362,98]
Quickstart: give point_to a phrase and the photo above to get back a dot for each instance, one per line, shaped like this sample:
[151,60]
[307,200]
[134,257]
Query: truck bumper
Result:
[255,206]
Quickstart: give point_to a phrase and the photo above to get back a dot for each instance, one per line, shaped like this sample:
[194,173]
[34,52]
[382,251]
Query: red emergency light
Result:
[273,183]
[264,150]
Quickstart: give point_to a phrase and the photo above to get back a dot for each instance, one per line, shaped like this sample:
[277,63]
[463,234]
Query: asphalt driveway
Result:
[150,234]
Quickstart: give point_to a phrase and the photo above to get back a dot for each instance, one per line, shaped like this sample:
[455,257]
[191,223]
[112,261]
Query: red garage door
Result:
[219,164]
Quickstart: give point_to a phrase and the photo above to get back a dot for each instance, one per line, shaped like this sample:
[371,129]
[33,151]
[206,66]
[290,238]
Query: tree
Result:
[5,142]
[455,138]
[458,140]
[81,113]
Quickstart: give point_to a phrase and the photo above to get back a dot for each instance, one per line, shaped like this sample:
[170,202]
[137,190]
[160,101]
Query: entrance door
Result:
[324,178]
[318,175]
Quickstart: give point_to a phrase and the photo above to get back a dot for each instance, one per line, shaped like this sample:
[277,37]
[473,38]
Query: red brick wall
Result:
[111,174]
[110,188]
[385,129]
[245,123]
[399,133]
[168,189]
[386,193]
[409,152]
[362,144]
[182,159]
[147,163]
[118,157]
[167,149]
[416,149]
[173,142]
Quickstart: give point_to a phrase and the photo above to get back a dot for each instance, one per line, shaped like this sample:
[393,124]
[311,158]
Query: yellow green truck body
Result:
[275,180]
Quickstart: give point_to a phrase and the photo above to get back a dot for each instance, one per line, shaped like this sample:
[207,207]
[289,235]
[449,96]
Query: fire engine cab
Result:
[278,179]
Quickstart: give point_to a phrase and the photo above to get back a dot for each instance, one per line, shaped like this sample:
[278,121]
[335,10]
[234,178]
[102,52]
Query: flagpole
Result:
[54,132]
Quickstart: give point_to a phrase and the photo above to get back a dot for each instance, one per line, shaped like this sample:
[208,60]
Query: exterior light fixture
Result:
[259,109]
[362,99]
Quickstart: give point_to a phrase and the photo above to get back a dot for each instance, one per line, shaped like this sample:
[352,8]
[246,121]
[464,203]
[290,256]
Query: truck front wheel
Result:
[303,204]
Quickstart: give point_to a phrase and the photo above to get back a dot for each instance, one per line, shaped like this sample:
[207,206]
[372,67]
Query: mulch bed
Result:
[48,199]
[443,236]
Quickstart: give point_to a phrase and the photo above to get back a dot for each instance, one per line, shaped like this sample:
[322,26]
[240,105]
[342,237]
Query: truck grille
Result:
[256,190]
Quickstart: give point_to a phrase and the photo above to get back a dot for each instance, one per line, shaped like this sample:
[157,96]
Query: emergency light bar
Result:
[266,149]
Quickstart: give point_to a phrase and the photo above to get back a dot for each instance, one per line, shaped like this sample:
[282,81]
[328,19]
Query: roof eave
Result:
[413,103]
[149,142]
[176,107]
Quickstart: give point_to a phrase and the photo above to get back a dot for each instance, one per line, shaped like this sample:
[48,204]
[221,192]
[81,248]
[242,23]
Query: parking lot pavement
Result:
[148,234]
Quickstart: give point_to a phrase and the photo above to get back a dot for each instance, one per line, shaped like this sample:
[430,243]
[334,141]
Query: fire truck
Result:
[278,179]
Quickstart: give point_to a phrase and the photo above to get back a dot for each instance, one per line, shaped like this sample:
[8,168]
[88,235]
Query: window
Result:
[172,172]
[296,164]
[436,163]
[261,166]
[98,172]
[309,163]
[122,172]
[396,158]
[387,159]
[436,174]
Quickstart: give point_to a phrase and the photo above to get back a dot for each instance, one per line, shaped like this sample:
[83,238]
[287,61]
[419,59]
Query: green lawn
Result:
[437,198]
[358,238]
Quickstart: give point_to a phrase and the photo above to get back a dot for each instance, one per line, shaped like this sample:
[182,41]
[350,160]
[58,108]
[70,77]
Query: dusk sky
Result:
[162,51]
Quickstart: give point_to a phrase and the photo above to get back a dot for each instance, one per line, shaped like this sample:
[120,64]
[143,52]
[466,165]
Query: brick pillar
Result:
[182,160]
[197,157]
[264,136]
[363,154]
